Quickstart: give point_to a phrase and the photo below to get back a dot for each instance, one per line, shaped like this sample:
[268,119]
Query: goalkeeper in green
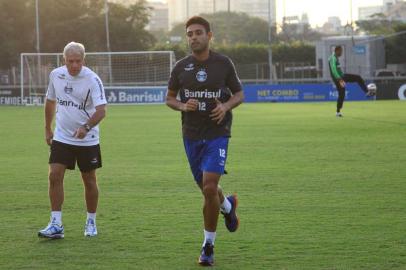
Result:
[340,79]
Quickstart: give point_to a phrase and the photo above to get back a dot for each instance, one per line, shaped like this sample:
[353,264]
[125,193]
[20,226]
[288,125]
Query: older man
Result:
[76,96]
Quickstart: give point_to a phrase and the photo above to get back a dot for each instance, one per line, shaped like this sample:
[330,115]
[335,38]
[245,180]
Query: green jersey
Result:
[335,68]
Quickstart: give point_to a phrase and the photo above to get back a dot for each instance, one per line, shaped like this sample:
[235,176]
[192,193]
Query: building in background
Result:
[361,55]
[295,24]
[180,10]
[333,26]
[366,13]
[256,8]
[396,11]
[158,20]
[390,9]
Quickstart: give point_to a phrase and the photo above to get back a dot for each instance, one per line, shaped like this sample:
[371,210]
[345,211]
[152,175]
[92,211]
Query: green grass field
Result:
[315,192]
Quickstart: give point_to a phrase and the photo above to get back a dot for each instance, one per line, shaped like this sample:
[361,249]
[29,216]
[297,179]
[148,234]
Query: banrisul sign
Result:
[135,95]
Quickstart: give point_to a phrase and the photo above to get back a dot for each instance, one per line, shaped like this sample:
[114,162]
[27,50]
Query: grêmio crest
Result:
[201,75]
[68,89]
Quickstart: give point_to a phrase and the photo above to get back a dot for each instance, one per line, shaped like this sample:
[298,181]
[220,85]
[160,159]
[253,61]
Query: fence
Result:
[147,68]
[131,76]
[281,71]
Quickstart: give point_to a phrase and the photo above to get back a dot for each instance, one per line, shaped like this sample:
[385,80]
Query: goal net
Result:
[116,69]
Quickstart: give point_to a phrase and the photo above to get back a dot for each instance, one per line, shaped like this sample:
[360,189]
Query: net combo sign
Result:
[299,92]
[135,95]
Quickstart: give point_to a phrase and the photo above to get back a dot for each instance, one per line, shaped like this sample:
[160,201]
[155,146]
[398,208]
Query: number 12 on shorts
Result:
[222,153]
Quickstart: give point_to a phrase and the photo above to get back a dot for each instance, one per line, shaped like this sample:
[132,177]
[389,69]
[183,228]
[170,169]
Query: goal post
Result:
[115,69]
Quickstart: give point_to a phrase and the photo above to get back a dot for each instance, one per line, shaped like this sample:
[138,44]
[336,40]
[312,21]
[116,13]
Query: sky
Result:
[318,10]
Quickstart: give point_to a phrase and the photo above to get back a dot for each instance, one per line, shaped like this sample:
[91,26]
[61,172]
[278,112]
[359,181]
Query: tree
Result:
[74,20]
[127,27]
[84,21]
[231,28]
[16,31]
[63,21]
[395,49]
[395,46]
[292,32]
[379,26]
[254,53]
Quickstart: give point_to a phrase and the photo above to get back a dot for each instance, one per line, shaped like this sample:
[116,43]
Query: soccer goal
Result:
[116,69]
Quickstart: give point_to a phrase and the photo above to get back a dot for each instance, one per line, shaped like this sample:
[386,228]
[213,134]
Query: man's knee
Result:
[89,179]
[210,190]
[55,175]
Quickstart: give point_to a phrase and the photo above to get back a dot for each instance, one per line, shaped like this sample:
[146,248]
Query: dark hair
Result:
[338,48]
[199,20]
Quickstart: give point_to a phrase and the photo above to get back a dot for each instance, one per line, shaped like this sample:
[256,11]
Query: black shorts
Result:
[87,157]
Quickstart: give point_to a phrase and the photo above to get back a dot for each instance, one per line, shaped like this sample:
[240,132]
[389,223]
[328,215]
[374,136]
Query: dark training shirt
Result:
[205,81]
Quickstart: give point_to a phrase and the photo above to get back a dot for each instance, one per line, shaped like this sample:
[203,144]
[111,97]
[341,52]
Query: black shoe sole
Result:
[205,263]
[55,236]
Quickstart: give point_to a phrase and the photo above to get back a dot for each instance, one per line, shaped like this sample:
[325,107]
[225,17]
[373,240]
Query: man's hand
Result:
[190,105]
[48,136]
[342,83]
[80,133]
[218,113]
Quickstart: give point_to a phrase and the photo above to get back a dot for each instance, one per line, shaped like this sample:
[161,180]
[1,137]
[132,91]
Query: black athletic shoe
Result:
[207,255]
[231,219]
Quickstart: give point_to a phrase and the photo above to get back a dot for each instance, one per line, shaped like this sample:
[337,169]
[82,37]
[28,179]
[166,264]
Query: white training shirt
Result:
[76,98]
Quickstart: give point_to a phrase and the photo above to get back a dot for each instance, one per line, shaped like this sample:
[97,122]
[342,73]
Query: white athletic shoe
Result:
[90,228]
[53,231]
[338,114]
[370,93]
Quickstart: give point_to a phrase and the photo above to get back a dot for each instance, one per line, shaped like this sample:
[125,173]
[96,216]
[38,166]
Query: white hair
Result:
[74,48]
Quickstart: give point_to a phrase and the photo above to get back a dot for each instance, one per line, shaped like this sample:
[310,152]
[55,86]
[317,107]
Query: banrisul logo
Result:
[69,103]
[68,89]
[201,75]
[202,94]
[189,67]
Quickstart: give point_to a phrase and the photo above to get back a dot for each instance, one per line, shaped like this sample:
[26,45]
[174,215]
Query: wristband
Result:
[87,127]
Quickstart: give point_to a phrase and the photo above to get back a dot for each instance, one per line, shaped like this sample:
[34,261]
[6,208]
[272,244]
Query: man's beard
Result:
[200,49]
